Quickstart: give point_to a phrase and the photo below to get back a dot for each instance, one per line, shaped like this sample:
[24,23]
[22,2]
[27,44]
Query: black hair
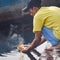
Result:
[33,3]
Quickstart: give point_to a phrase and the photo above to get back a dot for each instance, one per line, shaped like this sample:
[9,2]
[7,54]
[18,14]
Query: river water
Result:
[15,55]
[8,48]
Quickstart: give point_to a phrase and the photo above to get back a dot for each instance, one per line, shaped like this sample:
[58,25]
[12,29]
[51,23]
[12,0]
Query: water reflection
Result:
[12,42]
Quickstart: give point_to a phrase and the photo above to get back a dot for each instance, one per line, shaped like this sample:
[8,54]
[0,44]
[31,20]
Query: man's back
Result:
[50,18]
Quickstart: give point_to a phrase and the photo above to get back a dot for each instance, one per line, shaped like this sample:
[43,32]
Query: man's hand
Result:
[24,48]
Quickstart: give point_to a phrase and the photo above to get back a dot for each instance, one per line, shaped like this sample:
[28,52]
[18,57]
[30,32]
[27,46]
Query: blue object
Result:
[48,34]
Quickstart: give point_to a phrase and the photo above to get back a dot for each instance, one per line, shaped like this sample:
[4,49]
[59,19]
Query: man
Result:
[46,24]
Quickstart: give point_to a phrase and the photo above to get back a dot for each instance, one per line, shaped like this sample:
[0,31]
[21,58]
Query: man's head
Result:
[33,6]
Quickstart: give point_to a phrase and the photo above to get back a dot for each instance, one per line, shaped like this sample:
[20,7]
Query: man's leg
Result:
[53,52]
[48,34]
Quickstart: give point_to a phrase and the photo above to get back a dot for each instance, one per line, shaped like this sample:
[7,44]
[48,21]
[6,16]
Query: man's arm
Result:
[37,40]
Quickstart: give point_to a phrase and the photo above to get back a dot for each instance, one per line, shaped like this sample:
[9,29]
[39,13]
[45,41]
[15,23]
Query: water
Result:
[13,41]
[15,55]
[8,48]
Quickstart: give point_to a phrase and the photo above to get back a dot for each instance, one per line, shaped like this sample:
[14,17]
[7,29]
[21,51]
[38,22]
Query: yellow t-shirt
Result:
[48,17]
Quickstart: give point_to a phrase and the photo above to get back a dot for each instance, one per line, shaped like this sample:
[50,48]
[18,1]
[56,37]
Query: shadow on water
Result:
[15,35]
[9,44]
[12,42]
[9,16]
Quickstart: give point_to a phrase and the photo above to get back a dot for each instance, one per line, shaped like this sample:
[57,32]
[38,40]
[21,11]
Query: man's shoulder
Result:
[54,8]
[42,11]
[49,8]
